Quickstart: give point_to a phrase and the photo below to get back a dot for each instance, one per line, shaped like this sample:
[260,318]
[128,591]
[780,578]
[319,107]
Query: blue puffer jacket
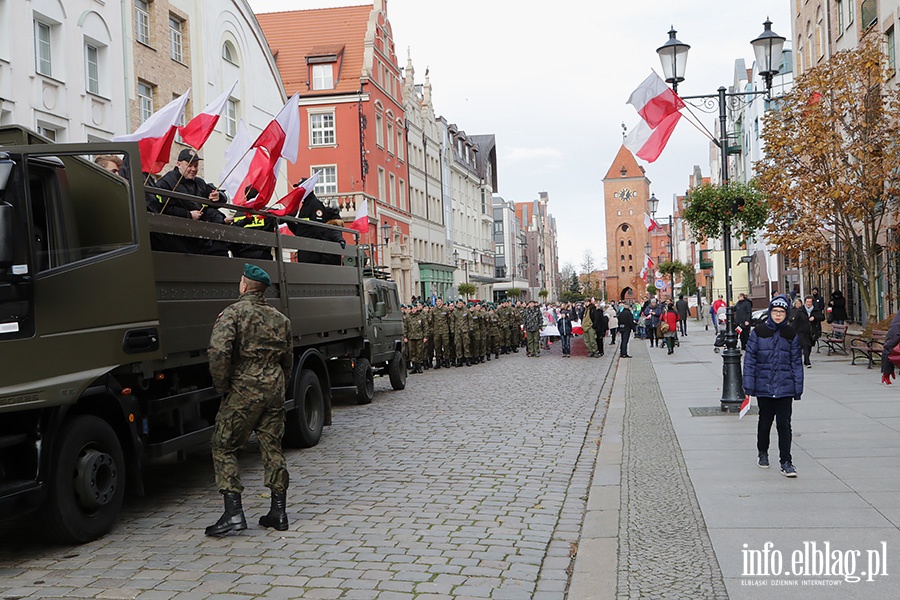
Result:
[773,363]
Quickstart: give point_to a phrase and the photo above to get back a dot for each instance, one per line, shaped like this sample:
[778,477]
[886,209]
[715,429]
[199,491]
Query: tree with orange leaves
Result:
[831,170]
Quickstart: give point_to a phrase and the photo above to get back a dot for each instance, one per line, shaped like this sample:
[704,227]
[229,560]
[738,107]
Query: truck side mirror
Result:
[380,309]
[6,235]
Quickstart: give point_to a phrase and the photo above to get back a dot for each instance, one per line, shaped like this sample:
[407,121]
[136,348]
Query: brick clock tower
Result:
[626,190]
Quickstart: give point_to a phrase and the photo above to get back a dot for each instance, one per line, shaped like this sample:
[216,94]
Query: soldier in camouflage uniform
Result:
[440,324]
[461,324]
[427,310]
[415,337]
[478,330]
[250,360]
[532,321]
[504,314]
[404,310]
[493,320]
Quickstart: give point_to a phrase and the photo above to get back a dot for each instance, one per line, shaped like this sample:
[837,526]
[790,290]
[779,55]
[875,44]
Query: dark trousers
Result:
[745,336]
[651,334]
[779,410]
[600,343]
[612,335]
[683,325]
[623,347]
[806,351]
[566,344]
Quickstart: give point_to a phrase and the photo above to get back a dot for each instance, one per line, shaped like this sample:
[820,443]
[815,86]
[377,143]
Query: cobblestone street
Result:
[471,483]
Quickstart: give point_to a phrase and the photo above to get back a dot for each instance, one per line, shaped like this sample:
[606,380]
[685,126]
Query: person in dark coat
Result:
[807,322]
[313,210]
[626,326]
[838,306]
[564,325]
[818,300]
[183,178]
[743,312]
[773,372]
[600,323]
[890,342]
[681,309]
[653,312]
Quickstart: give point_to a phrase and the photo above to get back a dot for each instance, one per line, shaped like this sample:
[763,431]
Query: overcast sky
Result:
[550,81]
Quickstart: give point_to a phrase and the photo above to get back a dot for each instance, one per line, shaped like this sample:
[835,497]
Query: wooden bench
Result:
[836,341]
[870,348]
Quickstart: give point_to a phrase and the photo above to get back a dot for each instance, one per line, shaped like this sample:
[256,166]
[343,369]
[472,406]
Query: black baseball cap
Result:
[189,155]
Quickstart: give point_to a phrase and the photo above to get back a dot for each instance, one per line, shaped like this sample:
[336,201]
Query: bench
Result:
[868,349]
[836,340]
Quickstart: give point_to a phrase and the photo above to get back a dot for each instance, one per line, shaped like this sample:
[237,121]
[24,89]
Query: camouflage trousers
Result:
[441,345]
[533,343]
[238,417]
[416,351]
[463,345]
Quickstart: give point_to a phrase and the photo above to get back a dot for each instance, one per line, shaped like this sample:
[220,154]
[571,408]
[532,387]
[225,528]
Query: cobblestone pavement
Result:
[664,547]
[471,483]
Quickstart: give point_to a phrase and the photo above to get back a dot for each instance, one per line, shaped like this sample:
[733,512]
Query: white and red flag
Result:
[745,407]
[256,189]
[198,129]
[659,108]
[361,222]
[237,161]
[155,135]
[648,263]
[291,203]
[649,223]
[281,137]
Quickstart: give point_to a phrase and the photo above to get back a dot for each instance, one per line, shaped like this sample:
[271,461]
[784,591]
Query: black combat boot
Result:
[489,357]
[232,519]
[438,363]
[277,517]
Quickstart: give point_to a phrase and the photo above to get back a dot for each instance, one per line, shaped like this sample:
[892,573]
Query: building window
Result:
[498,227]
[321,129]
[145,101]
[229,54]
[379,130]
[231,117]
[92,68]
[142,21]
[391,185]
[498,249]
[840,17]
[327,183]
[622,258]
[891,41]
[850,8]
[631,269]
[623,268]
[400,142]
[323,77]
[176,41]
[381,184]
[390,137]
[42,49]
[51,133]
[622,243]
[629,243]
[401,195]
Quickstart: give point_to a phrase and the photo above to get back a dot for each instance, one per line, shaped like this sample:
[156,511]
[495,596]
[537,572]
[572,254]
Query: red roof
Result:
[623,159]
[295,35]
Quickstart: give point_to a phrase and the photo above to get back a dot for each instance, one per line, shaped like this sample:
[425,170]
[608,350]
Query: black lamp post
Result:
[654,204]
[386,235]
[767,48]
[464,261]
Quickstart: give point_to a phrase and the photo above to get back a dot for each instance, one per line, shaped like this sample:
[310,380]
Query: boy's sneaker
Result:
[763,460]
[788,470]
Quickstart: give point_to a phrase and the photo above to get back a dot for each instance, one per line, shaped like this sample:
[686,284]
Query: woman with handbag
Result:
[890,356]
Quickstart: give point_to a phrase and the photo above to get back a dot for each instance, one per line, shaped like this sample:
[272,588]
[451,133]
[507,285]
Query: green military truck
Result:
[103,341]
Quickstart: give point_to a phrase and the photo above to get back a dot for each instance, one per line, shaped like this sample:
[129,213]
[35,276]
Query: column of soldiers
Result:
[459,334]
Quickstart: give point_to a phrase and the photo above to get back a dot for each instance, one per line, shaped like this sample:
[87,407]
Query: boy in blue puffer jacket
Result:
[773,372]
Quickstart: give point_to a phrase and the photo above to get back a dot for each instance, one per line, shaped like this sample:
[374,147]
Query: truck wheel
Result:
[303,426]
[397,371]
[87,481]
[364,380]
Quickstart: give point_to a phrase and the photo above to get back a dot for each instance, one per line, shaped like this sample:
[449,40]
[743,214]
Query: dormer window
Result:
[323,77]
[324,64]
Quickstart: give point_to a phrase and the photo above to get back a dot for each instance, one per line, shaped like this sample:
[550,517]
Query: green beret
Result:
[254,273]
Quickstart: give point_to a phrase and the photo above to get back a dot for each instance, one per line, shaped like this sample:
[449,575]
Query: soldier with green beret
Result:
[250,360]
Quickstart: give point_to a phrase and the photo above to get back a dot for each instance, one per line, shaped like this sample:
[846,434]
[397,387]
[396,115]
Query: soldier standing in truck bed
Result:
[250,360]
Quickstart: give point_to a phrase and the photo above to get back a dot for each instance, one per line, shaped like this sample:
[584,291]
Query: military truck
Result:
[103,341]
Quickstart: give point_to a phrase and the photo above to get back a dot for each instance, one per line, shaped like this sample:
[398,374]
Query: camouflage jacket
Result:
[532,319]
[440,319]
[417,326]
[250,350]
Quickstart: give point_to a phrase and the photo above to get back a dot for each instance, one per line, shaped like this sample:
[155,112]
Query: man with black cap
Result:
[183,178]
[250,360]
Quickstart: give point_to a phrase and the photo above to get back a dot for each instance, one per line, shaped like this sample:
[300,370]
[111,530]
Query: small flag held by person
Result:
[745,407]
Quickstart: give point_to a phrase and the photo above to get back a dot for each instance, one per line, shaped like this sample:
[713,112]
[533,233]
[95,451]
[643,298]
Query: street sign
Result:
[746,259]
[660,284]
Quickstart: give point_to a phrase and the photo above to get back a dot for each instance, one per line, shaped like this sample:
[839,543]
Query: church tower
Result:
[626,190]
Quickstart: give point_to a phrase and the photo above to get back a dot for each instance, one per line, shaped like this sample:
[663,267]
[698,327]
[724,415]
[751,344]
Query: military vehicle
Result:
[103,341]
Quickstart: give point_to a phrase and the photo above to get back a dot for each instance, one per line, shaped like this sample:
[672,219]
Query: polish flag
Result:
[256,189]
[361,222]
[281,137]
[649,223]
[155,135]
[648,143]
[198,130]
[745,407]
[237,161]
[648,264]
[654,100]
[291,203]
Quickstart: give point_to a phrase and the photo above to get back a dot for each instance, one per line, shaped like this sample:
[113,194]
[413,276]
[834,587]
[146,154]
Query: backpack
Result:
[663,327]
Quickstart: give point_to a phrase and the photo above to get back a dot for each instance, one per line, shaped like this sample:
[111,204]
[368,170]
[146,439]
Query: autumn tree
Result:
[832,165]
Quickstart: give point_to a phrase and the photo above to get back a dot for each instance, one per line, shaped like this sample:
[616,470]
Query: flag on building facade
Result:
[156,134]
[198,129]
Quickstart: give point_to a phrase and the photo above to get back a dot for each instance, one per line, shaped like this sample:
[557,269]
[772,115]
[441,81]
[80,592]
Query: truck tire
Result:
[86,483]
[364,380]
[397,371]
[303,424]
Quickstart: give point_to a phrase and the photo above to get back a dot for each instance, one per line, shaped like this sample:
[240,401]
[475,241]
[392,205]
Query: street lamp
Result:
[464,261]
[386,235]
[767,48]
[654,204]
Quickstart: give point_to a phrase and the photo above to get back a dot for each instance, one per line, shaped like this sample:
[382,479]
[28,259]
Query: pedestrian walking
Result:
[718,305]
[626,326]
[807,322]
[669,326]
[564,325]
[612,316]
[743,312]
[250,360]
[773,372]
[837,307]
[682,309]
[653,312]
[590,334]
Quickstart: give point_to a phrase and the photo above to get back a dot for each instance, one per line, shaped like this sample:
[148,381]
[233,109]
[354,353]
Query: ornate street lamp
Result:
[386,235]
[767,48]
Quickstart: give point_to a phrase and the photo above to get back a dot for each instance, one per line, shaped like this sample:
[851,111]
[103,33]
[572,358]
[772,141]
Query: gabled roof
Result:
[295,35]
[623,159]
